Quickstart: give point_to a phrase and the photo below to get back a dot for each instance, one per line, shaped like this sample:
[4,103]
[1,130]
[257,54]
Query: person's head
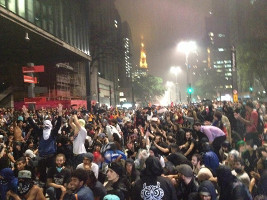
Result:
[25,182]
[115,171]
[217,116]
[158,139]
[91,181]
[174,148]
[78,179]
[21,163]
[153,151]
[233,155]
[188,135]
[129,165]
[186,172]
[239,166]
[81,122]
[207,190]
[196,160]
[197,126]
[60,160]
[153,167]
[249,106]
[88,158]
[224,175]
[226,146]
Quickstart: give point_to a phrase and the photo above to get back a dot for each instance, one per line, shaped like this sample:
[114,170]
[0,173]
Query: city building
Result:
[125,75]
[53,34]
[107,51]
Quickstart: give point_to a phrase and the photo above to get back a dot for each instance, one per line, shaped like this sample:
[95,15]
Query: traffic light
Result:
[251,89]
[189,89]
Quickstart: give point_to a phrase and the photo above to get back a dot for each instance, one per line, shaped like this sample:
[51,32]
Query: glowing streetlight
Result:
[176,70]
[187,47]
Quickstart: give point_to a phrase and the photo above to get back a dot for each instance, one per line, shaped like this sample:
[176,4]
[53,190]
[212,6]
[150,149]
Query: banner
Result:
[38,68]
[35,100]
[30,79]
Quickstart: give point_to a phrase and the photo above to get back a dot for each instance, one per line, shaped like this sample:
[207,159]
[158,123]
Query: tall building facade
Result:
[125,75]
[107,50]
[50,33]
[219,48]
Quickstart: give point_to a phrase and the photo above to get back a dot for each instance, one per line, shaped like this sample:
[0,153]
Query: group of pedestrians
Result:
[214,150]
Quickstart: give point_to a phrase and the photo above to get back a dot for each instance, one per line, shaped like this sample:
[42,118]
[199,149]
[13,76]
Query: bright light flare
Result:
[175,70]
[187,47]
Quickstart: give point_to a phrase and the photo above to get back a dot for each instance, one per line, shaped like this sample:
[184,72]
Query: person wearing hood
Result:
[115,184]
[7,182]
[206,191]
[152,185]
[230,187]
[47,140]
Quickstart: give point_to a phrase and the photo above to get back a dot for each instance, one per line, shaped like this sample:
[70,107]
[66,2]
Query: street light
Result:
[187,47]
[176,70]
[169,85]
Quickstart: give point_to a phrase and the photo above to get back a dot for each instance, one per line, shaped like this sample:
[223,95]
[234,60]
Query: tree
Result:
[147,87]
[252,62]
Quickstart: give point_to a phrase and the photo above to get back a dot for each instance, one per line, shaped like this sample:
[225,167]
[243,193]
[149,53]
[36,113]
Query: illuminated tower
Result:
[143,63]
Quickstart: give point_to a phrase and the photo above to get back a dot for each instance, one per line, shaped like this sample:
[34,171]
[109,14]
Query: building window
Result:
[221,35]
[221,49]
[12,5]
[21,8]
[121,94]
[228,86]
[218,70]
[228,74]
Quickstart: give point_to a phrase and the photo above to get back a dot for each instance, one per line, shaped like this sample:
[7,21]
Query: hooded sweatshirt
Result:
[9,182]
[152,185]
[47,145]
[207,186]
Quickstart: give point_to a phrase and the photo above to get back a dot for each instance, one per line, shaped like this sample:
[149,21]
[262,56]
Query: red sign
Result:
[37,68]
[35,100]
[30,79]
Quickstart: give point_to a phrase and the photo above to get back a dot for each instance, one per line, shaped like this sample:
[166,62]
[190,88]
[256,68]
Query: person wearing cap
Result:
[152,185]
[79,137]
[47,140]
[186,182]
[88,164]
[57,178]
[26,188]
[77,188]
[115,184]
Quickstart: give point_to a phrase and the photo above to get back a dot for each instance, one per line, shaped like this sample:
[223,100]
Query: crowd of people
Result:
[205,151]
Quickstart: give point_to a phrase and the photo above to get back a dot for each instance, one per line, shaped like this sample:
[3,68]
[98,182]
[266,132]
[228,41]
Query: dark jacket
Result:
[231,188]
[183,191]
[46,147]
[152,185]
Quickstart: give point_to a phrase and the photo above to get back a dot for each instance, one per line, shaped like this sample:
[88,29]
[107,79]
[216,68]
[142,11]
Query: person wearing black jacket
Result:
[230,187]
[152,185]
[47,141]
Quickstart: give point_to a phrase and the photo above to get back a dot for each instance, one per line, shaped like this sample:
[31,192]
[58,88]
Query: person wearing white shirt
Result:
[79,137]
[88,164]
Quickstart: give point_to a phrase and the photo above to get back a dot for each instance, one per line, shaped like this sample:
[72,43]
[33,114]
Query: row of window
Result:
[64,19]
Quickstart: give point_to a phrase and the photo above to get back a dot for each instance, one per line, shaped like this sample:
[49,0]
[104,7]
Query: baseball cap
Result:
[185,169]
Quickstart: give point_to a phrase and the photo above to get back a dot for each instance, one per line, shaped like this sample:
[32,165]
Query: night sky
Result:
[163,23]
